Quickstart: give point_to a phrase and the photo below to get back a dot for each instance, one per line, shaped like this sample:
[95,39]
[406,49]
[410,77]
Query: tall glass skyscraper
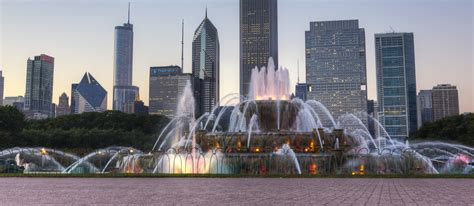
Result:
[39,86]
[424,107]
[124,92]
[206,64]
[258,37]
[396,83]
[336,66]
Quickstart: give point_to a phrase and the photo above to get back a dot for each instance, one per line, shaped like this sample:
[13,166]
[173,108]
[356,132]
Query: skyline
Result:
[18,39]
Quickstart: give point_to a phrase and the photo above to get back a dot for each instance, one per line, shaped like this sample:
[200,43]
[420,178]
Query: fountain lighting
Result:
[43,151]
[238,135]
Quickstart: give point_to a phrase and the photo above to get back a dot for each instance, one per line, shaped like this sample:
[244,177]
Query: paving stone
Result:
[236,191]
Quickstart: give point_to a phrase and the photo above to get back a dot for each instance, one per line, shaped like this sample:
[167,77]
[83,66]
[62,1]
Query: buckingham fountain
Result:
[265,133]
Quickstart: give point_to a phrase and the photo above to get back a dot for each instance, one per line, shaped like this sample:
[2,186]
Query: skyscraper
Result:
[167,83]
[372,112]
[89,96]
[124,92]
[2,84]
[396,83]
[258,37]
[336,66]
[425,107]
[445,101]
[18,102]
[63,105]
[206,64]
[39,86]
[301,91]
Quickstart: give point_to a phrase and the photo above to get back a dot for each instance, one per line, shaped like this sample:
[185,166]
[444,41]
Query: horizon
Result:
[71,33]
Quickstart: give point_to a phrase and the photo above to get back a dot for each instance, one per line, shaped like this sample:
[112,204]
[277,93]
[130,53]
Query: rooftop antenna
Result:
[393,30]
[206,11]
[298,66]
[182,44]
[128,22]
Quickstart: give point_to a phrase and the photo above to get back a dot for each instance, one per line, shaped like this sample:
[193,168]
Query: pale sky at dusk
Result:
[79,34]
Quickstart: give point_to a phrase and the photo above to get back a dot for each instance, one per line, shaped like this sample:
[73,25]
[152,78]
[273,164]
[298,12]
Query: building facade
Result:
[258,37]
[396,83]
[205,63]
[124,91]
[63,105]
[445,101]
[2,85]
[336,66]
[39,87]
[89,96]
[18,102]
[372,112]
[301,91]
[167,83]
[425,107]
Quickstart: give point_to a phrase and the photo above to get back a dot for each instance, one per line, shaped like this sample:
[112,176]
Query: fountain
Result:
[268,133]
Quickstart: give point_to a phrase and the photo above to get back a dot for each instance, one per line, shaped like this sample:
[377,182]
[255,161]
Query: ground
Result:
[238,191]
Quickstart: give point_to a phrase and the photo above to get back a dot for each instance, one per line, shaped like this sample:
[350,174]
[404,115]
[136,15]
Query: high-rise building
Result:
[336,66]
[124,92]
[2,84]
[140,108]
[18,102]
[206,64]
[167,83]
[39,86]
[89,96]
[445,101]
[301,91]
[396,83]
[73,101]
[372,112]
[425,107]
[258,37]
[63,105]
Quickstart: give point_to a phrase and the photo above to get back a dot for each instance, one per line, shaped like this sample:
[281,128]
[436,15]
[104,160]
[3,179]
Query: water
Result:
[264,134]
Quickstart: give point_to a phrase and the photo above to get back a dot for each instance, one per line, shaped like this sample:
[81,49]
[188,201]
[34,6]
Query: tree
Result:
[456,128]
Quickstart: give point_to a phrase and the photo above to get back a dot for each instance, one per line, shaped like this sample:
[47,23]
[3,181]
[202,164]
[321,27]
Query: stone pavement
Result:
[236,191]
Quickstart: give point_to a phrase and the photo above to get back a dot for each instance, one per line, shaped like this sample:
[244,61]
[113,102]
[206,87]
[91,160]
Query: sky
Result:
[79,34]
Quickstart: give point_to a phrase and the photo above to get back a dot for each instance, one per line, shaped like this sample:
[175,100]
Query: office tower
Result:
[396,83]
[2,84]
[18,102]
[336,66]
[167,83]
[424,107]
[89,96]
[39,87]
[445,101]
[124,92]
[140,108]
[63,105]
[301,91]
[73,100]
[258,37]
[372,112]
[205,63]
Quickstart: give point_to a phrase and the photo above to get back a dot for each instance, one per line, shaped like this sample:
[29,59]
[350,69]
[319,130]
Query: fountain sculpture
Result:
[265,133]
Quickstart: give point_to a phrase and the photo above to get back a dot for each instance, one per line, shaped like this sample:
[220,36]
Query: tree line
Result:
[79,131]
[458,129]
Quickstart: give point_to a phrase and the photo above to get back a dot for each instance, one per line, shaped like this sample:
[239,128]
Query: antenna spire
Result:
[128,21]
[182,44]
[206,11]
[298,66]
